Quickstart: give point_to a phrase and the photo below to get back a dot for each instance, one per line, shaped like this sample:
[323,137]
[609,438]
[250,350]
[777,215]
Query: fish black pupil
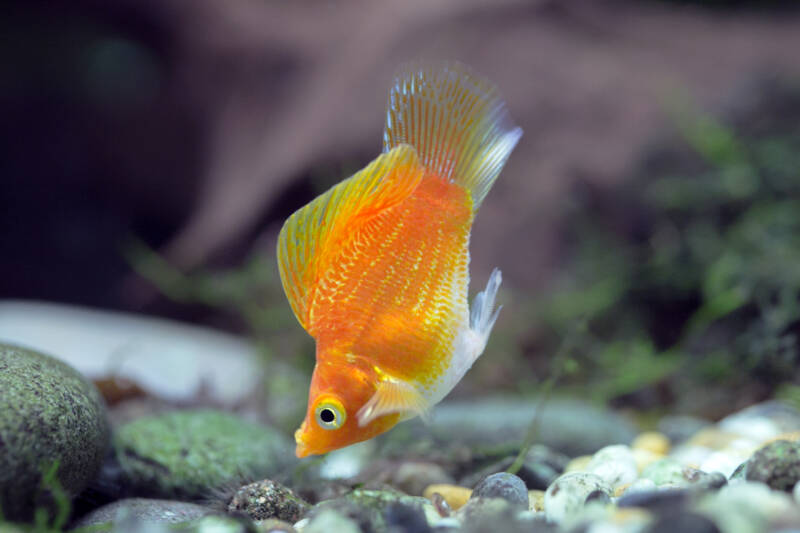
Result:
[327,416]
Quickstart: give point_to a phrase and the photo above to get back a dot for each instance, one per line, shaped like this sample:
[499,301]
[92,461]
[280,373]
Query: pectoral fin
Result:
[393,396]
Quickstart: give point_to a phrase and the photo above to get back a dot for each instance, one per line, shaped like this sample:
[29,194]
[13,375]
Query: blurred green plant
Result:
[692,270]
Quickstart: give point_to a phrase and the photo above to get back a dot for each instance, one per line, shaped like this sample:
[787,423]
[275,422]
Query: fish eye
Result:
[330,414]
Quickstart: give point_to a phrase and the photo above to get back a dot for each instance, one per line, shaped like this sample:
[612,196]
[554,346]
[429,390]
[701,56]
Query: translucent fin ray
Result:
[311,237]
[393,397]
[456,121]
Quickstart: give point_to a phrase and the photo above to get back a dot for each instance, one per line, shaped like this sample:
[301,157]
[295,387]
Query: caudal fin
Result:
[455,120]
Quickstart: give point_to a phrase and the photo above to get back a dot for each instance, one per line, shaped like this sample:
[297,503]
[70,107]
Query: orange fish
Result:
[376,268]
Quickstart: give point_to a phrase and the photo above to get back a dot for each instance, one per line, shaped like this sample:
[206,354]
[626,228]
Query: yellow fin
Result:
[315,233]
[393,396]
[455,120]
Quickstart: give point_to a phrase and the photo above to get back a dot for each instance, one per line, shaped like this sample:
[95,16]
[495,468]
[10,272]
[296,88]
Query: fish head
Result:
[337,393]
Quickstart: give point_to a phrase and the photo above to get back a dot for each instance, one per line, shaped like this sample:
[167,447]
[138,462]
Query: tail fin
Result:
[455,120]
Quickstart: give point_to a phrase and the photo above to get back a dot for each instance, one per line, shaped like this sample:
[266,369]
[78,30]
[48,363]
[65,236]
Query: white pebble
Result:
[616,465]
[758,429]
[641,484]
[796,492]
[725,461]
[745,507]
[567,495]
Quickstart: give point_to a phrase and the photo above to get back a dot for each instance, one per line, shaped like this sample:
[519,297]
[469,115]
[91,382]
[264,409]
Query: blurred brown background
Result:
[199,126]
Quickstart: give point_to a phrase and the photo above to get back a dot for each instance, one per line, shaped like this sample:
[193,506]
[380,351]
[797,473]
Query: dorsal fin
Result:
[455,120]
[314,233]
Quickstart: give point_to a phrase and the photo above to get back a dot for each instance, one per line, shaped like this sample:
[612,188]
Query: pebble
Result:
[668,472]
[148,510]
[403,518]
[186,454]
[454,495]
[273,525]
[614,464]
[644,458]
[50,415]
[745,507]
[656,500]
[328,521]
[536,500]
[268,499]
[652,441]
[578,464]
[368,508]
[735,438]
[503,485]
[480,511]
[683,522]
[796,492]
[567,494]
[209,524]
[777,464]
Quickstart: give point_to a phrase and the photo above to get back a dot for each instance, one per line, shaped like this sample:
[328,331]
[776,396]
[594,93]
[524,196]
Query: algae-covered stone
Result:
[777,464]
[268,499]
[188,453]
[49,415]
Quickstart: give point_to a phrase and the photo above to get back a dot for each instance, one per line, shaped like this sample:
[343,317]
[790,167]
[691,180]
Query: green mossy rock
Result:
[49,414]
[188,454]
[777,464]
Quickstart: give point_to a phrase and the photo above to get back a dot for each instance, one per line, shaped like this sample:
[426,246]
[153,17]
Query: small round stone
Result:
[369,508]
[567,494]
[536,500]
[328,521]
[644,458]
[50,417]
[745,506]
[578,464]
[657,500]
[685,522]
[402,517]
[268,499]
[777,464]
[454,495]
[652,441]
[668,472]
[503,485]
[796,492]
[615,465]
[273,525]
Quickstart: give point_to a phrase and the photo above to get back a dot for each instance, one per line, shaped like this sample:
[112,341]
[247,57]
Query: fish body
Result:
[376,268]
